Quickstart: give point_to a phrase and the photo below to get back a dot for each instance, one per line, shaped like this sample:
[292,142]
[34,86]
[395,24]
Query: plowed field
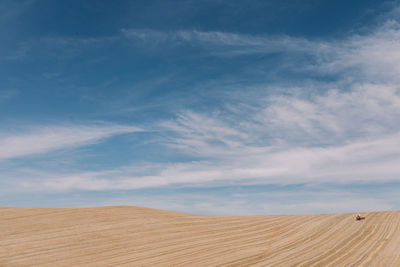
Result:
[132,236]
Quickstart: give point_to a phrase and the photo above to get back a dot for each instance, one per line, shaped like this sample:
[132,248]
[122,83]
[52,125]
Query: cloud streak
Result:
[369,161]
[374,55]
[348,132]
[219,42]
[341,131]
[45,139]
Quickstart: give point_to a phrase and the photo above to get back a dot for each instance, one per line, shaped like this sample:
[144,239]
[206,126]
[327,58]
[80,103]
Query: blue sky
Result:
[211,107]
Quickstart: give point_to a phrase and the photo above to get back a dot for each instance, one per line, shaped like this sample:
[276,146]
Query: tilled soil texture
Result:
[134,236]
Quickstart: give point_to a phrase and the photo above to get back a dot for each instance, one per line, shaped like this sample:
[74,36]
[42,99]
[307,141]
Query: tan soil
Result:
[133,236]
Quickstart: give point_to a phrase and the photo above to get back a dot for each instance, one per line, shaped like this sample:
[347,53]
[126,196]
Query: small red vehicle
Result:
[359,218]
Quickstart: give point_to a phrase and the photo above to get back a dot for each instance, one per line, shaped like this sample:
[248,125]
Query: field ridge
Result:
[137,236]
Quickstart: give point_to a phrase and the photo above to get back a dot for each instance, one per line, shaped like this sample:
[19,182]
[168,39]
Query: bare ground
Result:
[133,236]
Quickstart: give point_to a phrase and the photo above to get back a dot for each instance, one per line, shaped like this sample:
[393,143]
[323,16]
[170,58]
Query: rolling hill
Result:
[134,236]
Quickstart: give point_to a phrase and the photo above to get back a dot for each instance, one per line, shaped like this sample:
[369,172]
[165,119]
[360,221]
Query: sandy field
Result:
[133,236]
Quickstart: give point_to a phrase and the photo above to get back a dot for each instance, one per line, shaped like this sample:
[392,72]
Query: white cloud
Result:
[203,135]
[363,161]
[375,55]
[338,134]
[44,139]
[336,137]
[332,118]
[347,132]
[230,43]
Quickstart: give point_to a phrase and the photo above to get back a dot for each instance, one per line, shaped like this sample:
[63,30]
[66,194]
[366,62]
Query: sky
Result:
[209,107]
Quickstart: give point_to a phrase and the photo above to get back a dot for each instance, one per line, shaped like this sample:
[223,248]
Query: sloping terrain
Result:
[132,236]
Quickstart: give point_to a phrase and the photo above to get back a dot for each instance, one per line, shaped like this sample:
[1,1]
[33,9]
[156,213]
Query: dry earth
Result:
[132,236]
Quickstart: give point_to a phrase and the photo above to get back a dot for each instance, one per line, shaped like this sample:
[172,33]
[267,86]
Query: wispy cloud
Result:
[367,110]
[44,139]
[373,57]
[213,40]
[369,161]
[340,130]
[347,132]
[375,53]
